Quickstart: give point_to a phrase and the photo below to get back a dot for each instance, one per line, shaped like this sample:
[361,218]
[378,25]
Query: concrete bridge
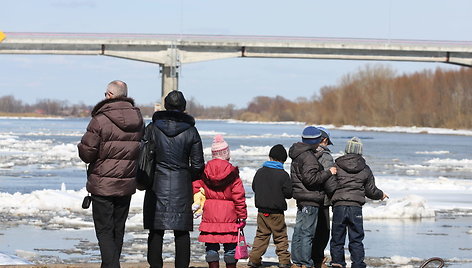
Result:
[171,51]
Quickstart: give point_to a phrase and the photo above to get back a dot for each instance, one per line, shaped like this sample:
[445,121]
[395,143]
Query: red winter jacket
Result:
[225,202]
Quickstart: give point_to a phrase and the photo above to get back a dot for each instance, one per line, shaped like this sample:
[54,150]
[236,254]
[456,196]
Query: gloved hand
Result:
[241,223]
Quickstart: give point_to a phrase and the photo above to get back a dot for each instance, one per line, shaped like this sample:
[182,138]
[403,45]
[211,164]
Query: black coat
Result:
[271,187]
[310,181]
[179,161]
[355,182]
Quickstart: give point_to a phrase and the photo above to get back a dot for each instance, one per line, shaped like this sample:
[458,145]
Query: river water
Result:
[428,177]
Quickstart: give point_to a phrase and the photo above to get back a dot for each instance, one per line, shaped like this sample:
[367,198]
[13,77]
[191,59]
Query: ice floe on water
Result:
[432,152]
[408,207]
[465,164]
[62,208]
[6,259]
[430,201]
[422,130]
[440,163]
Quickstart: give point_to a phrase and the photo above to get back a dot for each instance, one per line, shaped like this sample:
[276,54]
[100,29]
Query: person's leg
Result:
[120,214]
[212,255]
[154,256]
[296,239]
[356,235]
[182,249]
[279,230]
[102,213]
[261,241]
[338,236]
[306,220]
[321,236]
[230,249]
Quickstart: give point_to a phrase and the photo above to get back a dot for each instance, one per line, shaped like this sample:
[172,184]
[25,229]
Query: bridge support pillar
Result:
[170,81]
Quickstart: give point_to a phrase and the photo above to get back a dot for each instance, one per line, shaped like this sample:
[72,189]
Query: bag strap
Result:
[149,136]
[149,132]
[241,237]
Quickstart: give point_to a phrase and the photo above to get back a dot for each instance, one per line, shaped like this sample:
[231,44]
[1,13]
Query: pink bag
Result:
[241,247]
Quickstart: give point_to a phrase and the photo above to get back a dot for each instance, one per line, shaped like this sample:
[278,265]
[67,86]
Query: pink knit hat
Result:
[219,148]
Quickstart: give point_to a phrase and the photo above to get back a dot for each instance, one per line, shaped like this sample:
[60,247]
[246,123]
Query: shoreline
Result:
[387,129]
[122,264]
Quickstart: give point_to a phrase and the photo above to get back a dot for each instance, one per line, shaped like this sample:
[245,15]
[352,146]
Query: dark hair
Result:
[175,101]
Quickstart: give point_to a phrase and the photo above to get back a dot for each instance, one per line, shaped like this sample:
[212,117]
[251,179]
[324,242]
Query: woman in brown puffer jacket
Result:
[110,147]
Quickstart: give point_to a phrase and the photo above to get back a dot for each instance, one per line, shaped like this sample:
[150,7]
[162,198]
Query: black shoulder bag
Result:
[146,159]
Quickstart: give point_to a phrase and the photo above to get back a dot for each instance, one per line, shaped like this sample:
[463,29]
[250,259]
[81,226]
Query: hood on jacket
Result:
[299,148]
[351,163]
[219,173]
[172,123]
[321,150]
[121,112]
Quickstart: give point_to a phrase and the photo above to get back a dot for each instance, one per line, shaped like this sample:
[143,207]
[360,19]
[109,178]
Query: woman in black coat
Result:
[178,161]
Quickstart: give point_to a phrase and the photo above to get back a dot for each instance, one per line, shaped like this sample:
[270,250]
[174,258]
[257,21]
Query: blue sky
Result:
[83,78]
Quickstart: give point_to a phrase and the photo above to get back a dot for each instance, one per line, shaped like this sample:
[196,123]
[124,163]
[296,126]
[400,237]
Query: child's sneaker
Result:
[285,265]
[254,265]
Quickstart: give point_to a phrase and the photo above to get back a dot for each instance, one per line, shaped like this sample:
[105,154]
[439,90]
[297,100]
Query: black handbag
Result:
[146,159]
[86,202]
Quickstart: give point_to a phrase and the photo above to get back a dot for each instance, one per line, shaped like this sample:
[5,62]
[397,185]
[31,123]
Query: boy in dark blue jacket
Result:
[271,186]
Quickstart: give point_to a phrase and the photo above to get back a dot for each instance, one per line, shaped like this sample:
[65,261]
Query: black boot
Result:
[213,264]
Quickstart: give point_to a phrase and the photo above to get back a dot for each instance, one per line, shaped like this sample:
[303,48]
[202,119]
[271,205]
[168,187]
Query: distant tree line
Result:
[372,96]
[377,97]
[10,105]
[48,107]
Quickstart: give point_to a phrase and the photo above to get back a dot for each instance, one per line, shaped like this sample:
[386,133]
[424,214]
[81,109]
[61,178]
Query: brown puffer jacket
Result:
[111,147]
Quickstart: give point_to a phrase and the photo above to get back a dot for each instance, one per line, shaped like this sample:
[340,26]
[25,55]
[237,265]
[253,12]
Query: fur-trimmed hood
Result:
[121,111]
[99,105]
[172,123]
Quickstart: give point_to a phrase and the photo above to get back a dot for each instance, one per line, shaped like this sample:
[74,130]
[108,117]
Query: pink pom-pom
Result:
[218,138]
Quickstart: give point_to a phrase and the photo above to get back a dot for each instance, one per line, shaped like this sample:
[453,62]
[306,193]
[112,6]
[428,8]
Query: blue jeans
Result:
[212,254]
[347,218]
[303,234]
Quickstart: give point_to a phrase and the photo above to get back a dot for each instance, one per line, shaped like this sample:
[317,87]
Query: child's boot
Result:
[230,265]
[213,264]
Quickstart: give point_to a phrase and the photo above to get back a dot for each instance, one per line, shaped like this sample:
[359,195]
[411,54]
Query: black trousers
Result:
[109,216]
[321,235]
[182,248]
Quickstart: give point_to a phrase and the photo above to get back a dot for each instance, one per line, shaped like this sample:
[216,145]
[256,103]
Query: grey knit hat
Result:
[354,146]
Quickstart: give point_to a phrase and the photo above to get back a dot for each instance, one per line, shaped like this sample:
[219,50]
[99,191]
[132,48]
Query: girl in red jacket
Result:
[224,210]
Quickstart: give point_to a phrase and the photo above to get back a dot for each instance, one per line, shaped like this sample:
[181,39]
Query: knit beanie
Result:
[175,101]
[311,135]
[278,153]
[219,148]
[354,146]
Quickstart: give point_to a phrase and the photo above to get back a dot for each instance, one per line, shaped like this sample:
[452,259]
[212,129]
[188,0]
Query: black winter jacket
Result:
[309,180]
[355,182]
[323,154]
[179,161]
[271,186]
